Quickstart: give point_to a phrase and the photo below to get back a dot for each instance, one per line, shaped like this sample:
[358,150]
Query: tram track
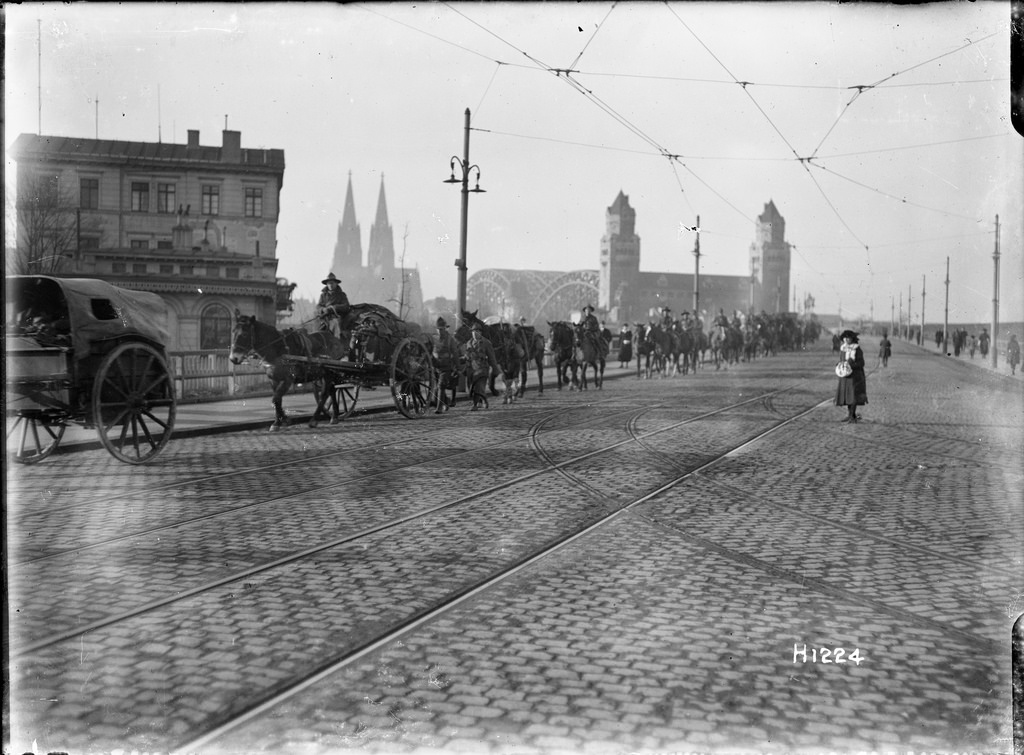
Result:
[396,632]
[550,466]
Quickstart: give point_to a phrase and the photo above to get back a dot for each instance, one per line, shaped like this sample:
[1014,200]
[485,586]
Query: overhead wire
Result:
[902,200]
[580,55]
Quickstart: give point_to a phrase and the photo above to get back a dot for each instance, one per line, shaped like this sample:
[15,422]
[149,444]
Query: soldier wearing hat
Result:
[482,361]
[666,317]
[589,322]
[333,305]
[447,357]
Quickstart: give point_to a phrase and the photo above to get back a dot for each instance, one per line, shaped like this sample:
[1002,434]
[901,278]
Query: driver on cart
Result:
[333,306]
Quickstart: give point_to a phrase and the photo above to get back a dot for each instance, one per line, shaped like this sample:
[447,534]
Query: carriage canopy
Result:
[93,310]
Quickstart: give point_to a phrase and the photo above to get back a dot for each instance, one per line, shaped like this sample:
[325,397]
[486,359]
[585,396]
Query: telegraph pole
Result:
[945,317]
[995,300]
[696,274]
[910,313]
[900,326]
[922,310]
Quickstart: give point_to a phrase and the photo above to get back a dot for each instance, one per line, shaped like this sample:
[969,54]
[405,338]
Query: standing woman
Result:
[852,391]
[625,346]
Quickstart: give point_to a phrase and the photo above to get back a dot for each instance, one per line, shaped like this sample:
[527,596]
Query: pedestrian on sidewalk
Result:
[1013,354]
[852,390]
[885,349]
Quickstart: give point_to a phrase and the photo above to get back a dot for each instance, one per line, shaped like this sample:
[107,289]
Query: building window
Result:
[89,242]
[231,272]
[118,267]
[166,269]
[164,244]
[139,268]
[140,196]
[165,198]
[211,200]
[254,203]
[185,270]
[215,328]
[139,244]
[213,271]
[89,193]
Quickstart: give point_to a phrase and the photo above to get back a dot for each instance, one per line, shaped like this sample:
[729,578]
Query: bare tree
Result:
[47,226]
[403,308]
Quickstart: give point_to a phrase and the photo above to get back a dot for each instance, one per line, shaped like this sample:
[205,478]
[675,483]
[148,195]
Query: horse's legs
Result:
[280,418]
[540,374]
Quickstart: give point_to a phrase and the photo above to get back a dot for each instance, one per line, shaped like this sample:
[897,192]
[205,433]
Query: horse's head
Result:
[243,338]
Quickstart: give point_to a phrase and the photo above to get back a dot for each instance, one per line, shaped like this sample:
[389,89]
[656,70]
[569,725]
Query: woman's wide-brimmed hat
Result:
[587,308]
[848,334]
[331,278]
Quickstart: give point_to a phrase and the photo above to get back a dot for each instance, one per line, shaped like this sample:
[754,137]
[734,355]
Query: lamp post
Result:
[696,272]
[466,169]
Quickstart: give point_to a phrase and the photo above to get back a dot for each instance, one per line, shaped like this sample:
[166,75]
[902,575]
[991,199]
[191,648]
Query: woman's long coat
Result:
[853,390]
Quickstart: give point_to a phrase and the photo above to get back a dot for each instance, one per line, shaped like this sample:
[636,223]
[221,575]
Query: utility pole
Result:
[901,316]
[696,273]
[945,317]
[892,317]
[995,301]
[910,313]
[922,310]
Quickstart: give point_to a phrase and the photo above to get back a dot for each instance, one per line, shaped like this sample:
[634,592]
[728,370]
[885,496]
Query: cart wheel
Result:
[29,444]
[346,394]
[412,378]
[133,403]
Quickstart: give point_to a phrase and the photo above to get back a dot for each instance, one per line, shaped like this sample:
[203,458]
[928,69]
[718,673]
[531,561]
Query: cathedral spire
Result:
[381,252]
[348,249]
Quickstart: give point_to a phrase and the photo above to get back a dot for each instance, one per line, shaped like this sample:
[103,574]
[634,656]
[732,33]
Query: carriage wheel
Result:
[412,378]
[133,403]
[346,394]
[35,436]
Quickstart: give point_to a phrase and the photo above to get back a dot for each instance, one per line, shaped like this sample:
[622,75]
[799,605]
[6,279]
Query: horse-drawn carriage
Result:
[376,349]
[82,351]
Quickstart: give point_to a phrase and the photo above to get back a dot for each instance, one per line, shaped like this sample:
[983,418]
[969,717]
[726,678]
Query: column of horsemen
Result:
[473,356]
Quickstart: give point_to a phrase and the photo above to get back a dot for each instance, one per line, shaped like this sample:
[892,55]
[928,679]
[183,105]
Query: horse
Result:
[643,347]
[684,349]
[591,350]
[719,341]
[251,337]
[529,345]
[562,345]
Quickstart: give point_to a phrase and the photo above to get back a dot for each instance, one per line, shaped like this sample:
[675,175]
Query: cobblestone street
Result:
[826,587]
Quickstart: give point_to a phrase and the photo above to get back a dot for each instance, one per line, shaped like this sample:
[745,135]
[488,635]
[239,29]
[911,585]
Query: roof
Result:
[99,311]
[33,146]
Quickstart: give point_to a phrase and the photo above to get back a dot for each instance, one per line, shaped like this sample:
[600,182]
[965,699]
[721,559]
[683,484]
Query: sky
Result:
[881,132]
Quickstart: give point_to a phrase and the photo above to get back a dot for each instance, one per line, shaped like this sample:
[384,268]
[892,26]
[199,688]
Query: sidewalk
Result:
[257,412]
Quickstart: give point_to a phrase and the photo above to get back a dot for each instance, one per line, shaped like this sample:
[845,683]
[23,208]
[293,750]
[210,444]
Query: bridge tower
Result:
[620,261]
[769,261]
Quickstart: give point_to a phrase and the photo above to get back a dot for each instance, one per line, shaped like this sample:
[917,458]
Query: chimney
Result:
[193,137]
[231,152]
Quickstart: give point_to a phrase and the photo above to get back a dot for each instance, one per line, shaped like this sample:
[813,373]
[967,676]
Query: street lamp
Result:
[466,169]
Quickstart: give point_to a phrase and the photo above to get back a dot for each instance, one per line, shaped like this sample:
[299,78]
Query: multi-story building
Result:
[623,293]
[195,224]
